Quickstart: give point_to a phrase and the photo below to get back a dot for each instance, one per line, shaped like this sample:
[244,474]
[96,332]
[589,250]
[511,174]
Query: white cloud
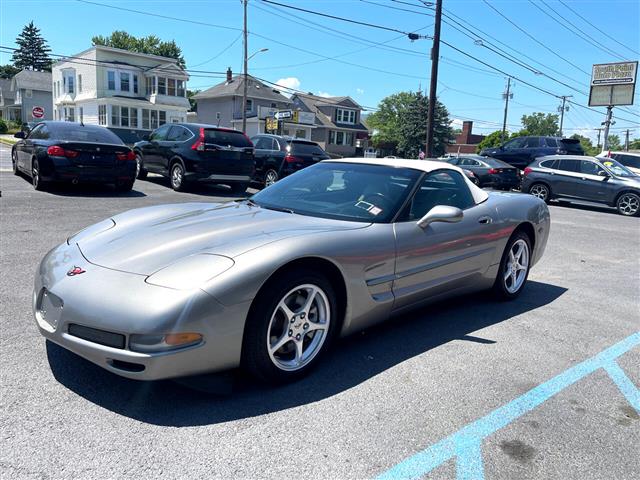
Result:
[324,94]
[289,82]
[359,91]
[456,123]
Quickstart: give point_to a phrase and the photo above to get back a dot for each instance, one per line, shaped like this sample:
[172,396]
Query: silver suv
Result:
[591,179]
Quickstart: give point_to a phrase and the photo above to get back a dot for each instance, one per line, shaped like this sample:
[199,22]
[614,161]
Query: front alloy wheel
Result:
[514,267]
[539,190]
[628,204]
[14,163]
[141,173]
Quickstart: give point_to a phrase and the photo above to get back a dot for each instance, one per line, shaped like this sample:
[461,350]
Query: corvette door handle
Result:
[485,220]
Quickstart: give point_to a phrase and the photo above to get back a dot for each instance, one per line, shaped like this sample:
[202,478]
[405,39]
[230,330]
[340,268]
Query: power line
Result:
[219,53]
[587,38]
[599,29]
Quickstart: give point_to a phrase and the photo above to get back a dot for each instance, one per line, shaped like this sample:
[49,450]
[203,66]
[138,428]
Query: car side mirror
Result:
[19,134]
[604,174]
[441,213]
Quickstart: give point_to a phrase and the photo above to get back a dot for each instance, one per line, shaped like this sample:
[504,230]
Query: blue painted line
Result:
[465,444]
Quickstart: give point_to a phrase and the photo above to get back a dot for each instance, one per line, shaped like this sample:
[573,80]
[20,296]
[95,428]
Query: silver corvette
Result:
[269,282]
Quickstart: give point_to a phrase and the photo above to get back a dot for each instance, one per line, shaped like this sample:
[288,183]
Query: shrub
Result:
[4,128]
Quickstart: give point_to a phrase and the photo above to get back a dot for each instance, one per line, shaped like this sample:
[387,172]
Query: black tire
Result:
[36,181]
[270,177]
[14,163]
[628,204]
[176,177]
[255,355]
[125,186]
[141,172]
[500,287]
[239,188]
[538,189]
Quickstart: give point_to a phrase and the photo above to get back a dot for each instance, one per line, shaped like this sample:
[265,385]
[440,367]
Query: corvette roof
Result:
[479,195]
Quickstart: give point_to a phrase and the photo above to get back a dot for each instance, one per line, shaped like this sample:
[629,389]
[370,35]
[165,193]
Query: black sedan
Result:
[278,156]
[190,152]
[73,152]
[490,172]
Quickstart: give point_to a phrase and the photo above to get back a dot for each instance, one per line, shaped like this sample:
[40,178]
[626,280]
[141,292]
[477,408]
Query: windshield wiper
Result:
[278,209]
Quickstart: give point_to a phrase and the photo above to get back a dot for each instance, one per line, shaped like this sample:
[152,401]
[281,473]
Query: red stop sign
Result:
[37,112]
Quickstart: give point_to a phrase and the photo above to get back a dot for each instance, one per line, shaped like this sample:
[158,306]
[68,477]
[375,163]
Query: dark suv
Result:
[187,152]
[521,151]
[584,178]
[277,156]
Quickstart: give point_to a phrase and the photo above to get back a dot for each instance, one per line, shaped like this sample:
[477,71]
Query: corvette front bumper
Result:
[93,314]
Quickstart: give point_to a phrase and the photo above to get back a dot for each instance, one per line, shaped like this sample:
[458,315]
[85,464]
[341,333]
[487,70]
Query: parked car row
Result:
[186,153]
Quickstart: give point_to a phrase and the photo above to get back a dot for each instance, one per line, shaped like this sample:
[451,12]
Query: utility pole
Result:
[626,141]
[599,133]
[435,57]
[607,123]
[563,109]
[244,91]
[506,97]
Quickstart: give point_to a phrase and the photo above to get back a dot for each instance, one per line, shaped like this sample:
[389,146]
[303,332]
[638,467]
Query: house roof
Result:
[32,80]
[255,89]
[312,102]
[5,88]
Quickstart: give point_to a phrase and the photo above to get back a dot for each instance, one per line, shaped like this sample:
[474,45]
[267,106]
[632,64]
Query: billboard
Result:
[613,84]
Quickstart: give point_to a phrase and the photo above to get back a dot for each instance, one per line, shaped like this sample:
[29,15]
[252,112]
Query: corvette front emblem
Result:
[75,271]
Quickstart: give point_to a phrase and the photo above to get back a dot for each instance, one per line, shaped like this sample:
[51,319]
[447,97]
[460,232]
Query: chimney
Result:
[467,126]
[229,74]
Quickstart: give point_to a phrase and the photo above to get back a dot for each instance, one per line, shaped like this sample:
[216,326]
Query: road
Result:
[385,400]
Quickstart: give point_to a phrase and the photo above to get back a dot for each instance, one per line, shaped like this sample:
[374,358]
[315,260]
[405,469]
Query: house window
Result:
[332,137]
[163,118]
[102,114]
[171,87]
[81,114]
[162,86]
[249,105]
[135,83]
[115,114]
[70,114]
[68,81]
[79,83]
[124,116]
[145,118]
[133,117]
[345,116]
[273,105]
[154,119]
[180,88]
[125,81]
[111,80]
[154,85]
[339,138]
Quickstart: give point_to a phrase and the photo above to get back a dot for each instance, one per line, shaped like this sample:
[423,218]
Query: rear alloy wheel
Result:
[141,173]
[514,267]
[178,182]
[290,328]
[628,204]
[37,182]
[540,190]
[270,177]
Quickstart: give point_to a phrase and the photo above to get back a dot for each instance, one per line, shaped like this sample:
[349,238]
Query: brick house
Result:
[466,142]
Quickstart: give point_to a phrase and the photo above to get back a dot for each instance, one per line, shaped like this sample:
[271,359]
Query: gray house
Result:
[222,105]
[338,123]
[25,91]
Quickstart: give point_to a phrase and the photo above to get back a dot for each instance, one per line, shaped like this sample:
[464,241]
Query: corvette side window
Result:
[438,188]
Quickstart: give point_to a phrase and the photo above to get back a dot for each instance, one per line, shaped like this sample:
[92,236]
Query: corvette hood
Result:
[146,240]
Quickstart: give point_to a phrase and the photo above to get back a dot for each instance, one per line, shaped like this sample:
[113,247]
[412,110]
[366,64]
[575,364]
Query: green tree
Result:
[149,44]
[634,144]
[494,139]
[8,71]
[538,123]
[614,142]
[587,145]
[400,125]
[192,101]
[33,50]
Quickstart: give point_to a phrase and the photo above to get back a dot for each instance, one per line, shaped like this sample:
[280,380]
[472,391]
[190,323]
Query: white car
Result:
[631,160]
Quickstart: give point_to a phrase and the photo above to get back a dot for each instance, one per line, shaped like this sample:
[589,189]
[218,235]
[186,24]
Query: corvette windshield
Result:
[344,191]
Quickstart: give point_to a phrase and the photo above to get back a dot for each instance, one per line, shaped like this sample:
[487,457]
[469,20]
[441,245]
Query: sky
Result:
[334,58]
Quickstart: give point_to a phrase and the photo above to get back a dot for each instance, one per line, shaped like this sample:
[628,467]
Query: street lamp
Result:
[244,90]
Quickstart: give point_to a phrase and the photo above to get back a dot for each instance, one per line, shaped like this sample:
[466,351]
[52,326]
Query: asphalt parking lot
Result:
[471,387]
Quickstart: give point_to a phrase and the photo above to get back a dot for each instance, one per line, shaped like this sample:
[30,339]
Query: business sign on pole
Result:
[613,84]
[37,112]
[284,114]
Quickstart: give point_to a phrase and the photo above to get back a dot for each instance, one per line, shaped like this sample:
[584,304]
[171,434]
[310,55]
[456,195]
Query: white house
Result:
[129,92]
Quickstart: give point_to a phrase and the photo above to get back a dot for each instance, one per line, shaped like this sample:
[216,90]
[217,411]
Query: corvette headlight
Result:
[163,343]
[91,230]
[191,272]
